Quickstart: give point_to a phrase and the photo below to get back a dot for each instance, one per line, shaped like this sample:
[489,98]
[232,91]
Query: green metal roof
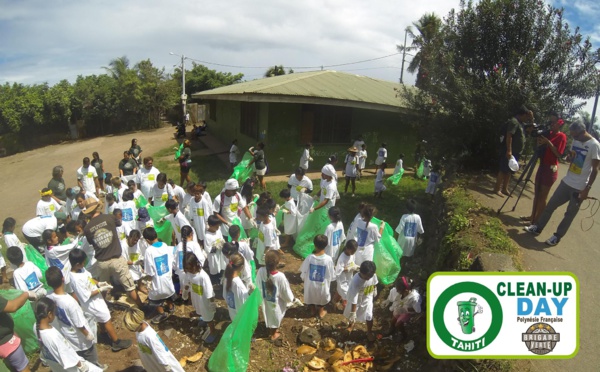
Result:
[315,87]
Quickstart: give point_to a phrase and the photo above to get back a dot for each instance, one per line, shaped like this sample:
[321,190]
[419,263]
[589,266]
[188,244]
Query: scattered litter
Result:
[327,344]
[193,359]
[168,332]
[316,363]
[409,346]
[305,350]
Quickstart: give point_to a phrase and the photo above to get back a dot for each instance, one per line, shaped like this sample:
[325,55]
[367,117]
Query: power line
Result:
[293,67]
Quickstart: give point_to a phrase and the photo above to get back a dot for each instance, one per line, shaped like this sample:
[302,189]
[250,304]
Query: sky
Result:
[47,41]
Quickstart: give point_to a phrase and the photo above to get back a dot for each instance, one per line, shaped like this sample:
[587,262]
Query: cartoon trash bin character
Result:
[466,314]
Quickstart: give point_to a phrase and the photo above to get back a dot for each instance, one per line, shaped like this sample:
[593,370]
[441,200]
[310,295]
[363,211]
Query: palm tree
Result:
[117,67]
[276,71]
[428,26]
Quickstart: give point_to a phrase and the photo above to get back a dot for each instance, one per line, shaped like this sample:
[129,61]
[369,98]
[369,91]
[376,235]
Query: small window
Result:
[249,119]
[326,124]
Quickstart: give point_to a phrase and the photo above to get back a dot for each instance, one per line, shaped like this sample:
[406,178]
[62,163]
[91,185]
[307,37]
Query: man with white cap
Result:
[229,204]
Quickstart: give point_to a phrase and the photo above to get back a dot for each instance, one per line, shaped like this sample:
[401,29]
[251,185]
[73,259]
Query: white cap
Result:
[329,170]
[513,164]
[232,184]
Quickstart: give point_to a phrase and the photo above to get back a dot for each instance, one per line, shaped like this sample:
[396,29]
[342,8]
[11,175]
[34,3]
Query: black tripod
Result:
[527,171]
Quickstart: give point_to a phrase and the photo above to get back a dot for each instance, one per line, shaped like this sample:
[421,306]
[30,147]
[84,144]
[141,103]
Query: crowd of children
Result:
[207,257]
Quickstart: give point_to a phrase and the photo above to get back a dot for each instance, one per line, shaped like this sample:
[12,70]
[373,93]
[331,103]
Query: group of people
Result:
[99,238]
[583,157]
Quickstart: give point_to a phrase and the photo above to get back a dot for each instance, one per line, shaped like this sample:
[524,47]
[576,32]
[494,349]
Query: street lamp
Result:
[183,95]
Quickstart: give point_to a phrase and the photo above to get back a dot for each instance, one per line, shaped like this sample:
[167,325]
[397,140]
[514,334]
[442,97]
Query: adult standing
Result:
[101,233]
[136,151]
[234,151]
[127,167]
[359,142]
[512,142]
[229,204]
[87,177]
[99,165]
[146,177]
[260,164]
[185,162]
[299,183]
[57,183]
[574,188]
[549,150]
[305,158]
[11,350]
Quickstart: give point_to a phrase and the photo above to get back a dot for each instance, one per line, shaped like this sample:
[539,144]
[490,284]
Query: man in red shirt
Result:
[550,149]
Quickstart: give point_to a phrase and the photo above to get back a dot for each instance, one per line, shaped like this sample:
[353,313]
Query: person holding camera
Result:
[550,148]
[512,142]
[575,186]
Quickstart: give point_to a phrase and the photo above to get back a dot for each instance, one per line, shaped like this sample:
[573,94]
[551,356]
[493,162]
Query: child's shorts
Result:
[15,358]
[157,303]
[400,319]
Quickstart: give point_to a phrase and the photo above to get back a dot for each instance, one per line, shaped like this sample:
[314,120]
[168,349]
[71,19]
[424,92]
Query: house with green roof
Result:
[330,109]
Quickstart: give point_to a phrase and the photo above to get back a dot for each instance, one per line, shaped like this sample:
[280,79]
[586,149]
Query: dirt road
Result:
[577,252]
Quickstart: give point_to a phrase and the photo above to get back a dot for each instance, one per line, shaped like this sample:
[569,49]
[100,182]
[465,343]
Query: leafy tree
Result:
[275,71]
[201,78]
[489,58]
[428,26]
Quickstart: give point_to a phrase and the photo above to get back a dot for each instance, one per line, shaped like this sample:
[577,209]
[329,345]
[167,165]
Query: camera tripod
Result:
[526,174]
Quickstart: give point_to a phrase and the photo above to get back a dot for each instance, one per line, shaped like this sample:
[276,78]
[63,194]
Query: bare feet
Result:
[322,312]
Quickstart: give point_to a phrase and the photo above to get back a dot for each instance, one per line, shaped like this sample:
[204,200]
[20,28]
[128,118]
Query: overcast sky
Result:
[46,41]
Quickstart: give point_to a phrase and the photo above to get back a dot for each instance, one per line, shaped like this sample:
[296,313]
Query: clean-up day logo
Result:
[503,315]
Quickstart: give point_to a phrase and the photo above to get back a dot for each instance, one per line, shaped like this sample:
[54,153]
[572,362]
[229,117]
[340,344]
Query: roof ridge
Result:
[286,81]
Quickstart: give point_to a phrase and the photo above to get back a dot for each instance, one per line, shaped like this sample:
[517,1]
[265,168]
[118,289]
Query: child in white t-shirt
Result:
[200,207]
[161,191]
[58,255]
[426,168]
[187,245]
[235,292]
[409,228]
[267,236]
[345,268]
[405,303]
[290,216]
[47,206]
[11,240]
[27,276]
[177,220]
[367,235]
[158,262]
[213,244]
[399,164]
[111,203]
[56,351]
[317,272]
[381,154]
[154,354]
[362,159]
[334,232]
[276,293]
[231,248]
[434,180]
[133,252]
[123,229]
[380,181]
[129,211]
[362,290]
[178,192]
[89,293]
[198,283]
[234,151]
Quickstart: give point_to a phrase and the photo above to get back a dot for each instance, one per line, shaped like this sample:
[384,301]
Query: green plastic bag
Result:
[279,216]
[386,255]
[232,354]
[178,152]
[315,224]
[24,320]
[253,271]
[141,202]
[395,178]
[35,257]
[236,221]
[164,230]
[242,171]
[420,170]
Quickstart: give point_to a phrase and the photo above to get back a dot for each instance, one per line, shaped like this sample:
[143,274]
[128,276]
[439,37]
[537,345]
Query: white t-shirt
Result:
[317,273]
[160,196]
[581,165]
[331,170]
[267,237]
[158,261]
[58,256]
[381,156]
[335,236]
[27,277]
[83,285]
[11,240]
[358,144]
[344,262]
[235,296]
[199,212]
[297,186]
[87,177]
[216,260]
[109,209]
[379,185]
[366,236]
[245,250]
[352,228]
[56,349]
[232,208]
[69,317]
[399,165]
[178,221]
[329,191]
[47,208]
[179,192]
[154,354]
[133,254]
[146,179]
[409,228]
[201,291]
[402,305]
[362,158]
[290,220]
[305,159]
[233,153]
[36,226]
[361,293]
[130,214]
[351,162]
[275,300]
[191,247]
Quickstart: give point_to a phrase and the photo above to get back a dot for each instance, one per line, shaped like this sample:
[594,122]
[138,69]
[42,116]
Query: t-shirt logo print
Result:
[410,229]
[317,273]
[162,264]
[32,281]
[362,236]
[335,238]
[578,160]
[102,238]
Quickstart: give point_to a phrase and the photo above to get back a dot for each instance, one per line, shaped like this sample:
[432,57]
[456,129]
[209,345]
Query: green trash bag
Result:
[178,151]
[315,224]
[24,320]
[164,230]
[141,202]
[242,171]
[35,257]
[420,170]
[279,216]
[253,271]
[236,221]
[395,178]
[386,255]
[232,354]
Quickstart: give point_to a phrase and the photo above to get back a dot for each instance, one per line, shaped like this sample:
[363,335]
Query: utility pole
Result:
[403,55]
[591,123]
[183,95]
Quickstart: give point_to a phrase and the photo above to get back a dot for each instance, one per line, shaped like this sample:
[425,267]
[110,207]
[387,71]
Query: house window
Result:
[326,124]
[249,119]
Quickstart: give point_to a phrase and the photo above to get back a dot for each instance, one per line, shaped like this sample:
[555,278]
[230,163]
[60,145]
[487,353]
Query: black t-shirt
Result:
[186,153]
[259,155]
[7,324]
[135,150]
[101,233]
[127,166]
[58,188]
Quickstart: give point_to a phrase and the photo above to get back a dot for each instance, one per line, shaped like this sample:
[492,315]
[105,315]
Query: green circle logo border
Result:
[456,289]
